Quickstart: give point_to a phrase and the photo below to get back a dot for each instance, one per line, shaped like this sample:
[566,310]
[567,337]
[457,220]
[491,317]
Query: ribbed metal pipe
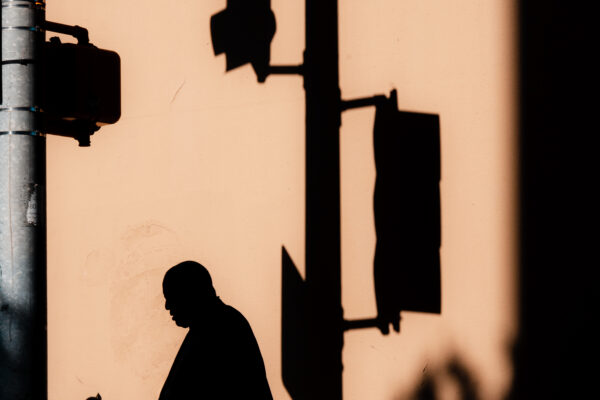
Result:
[23,338]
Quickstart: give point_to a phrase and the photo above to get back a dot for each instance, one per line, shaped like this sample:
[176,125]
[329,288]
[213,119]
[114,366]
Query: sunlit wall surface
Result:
[209,166]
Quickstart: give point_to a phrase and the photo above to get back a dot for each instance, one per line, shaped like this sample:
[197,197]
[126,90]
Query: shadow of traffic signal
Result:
[243,31]
[406,206]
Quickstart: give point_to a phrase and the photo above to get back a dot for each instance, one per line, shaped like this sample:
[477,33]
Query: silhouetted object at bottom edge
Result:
[219,358]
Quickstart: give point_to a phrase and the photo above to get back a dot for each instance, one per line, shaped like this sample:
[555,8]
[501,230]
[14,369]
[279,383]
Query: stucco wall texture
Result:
[209,166]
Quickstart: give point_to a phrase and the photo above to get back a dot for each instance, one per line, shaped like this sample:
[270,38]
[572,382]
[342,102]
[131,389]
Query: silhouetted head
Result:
[188,292]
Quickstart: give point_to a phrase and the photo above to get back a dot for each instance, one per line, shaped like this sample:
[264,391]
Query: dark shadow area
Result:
[219,357]
[316,373]
[294,345]
[556,354]
[23,350]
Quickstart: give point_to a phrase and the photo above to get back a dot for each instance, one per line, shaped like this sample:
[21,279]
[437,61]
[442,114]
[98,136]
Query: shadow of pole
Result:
[407,219]
[312,318]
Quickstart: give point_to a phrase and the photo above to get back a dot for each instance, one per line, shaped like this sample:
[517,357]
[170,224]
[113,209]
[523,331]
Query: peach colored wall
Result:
[210,166]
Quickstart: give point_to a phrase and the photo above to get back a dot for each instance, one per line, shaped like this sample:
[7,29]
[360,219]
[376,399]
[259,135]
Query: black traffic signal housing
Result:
[407,212]
[81,87]
[243,31]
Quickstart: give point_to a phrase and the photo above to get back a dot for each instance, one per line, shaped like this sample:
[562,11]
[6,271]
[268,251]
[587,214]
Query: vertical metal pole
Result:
[23,338]
[323,253]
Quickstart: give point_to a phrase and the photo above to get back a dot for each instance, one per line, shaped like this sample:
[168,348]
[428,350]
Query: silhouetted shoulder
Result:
[245,361]
[219,359]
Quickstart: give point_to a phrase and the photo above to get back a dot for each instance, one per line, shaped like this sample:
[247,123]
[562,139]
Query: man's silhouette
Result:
[219,358]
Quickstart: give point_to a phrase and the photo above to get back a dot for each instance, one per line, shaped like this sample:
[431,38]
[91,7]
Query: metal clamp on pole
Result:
[21,37]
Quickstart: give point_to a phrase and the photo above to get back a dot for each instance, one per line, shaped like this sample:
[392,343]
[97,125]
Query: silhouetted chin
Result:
[184,323]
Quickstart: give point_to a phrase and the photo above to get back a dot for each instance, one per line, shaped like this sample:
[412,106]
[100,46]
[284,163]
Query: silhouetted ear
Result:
[97,397]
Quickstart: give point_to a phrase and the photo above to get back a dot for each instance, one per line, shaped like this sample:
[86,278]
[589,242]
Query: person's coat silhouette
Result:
[219,358]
